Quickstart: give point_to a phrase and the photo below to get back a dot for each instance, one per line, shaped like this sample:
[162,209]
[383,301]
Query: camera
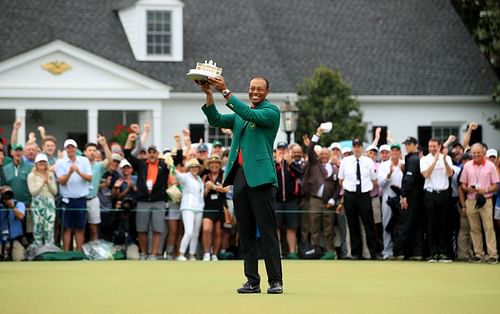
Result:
[6,195]
[128,204]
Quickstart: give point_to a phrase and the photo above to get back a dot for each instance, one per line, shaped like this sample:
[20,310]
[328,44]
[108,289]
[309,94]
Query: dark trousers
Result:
[252,207]
[408,236]
[436,208]
[360,205]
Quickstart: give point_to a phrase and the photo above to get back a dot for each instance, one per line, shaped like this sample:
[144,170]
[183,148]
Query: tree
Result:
[482,18]
[326,97]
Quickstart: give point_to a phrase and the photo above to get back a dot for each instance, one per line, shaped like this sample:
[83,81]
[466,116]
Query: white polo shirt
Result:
[438,180]
[347,173]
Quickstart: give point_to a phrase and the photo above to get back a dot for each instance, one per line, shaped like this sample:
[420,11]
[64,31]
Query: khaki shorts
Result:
[94,211]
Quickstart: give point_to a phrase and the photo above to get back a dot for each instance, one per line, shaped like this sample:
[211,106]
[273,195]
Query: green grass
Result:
[200,287]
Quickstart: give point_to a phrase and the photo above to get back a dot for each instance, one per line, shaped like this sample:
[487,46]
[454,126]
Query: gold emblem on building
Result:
[56,67]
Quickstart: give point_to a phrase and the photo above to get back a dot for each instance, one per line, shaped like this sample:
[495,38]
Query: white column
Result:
[92,116]
[146,117]
[21,135]
[157,138]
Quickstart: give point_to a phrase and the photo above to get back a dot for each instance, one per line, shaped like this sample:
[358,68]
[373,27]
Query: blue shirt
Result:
[16,225]
[75,187]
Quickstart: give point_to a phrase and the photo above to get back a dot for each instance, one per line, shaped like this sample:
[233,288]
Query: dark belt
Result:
[314,196]
[358,193]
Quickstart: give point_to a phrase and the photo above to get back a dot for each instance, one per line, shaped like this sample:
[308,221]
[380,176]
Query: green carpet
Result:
[209,287]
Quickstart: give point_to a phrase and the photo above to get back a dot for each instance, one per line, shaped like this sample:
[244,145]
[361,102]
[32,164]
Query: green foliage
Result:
[326,97]
[495,120]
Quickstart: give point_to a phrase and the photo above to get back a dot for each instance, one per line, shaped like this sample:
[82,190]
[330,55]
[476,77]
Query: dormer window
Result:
[154,29]
[159,33]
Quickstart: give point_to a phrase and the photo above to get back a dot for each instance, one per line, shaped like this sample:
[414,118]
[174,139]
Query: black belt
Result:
[320,198]
[356,192]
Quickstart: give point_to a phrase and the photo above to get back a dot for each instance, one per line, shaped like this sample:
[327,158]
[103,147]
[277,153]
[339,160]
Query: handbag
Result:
[174,193]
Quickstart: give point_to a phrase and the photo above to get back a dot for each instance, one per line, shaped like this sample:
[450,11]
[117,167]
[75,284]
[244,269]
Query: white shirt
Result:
[75,187]
[192,192]
[438,180]
[347,173]
[329,170]
[395,179]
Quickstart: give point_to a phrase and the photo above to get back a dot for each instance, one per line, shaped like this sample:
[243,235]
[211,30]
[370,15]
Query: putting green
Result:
[209,287]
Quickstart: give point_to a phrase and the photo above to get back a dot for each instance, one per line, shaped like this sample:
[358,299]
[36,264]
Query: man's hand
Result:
[9,204]
[404,203]
[473,126]
[101,140]
[132,137]
[306,140]
[204,86]
[17,124]
[319,131]
[218,83]
[147,127]
[31,137]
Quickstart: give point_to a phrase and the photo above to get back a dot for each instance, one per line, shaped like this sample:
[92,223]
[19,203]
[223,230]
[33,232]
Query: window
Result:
[442,132]
[383,134]
[215,134]
[159,33]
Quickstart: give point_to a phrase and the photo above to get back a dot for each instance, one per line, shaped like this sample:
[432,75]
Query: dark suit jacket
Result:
[314,177]
[254,131]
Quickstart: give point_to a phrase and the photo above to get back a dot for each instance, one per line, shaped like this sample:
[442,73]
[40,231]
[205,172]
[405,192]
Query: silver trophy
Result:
[204,70]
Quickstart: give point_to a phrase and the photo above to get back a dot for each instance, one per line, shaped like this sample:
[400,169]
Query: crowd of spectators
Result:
[348,202]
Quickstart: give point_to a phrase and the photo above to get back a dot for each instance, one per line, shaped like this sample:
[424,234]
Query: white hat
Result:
[124,163]
[193,162]
[117,157]
[346,150]
[384,147]
[335,145]
[70,142]
[41,157]
[491,153]
[372,147]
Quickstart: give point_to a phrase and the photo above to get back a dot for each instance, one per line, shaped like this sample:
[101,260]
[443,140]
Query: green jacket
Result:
[17,179]
[254,131]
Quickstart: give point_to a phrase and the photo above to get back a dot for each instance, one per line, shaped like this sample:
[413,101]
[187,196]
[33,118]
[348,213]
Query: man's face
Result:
[49,147]
[477,154]
[90,153]
[372,154]
[433,147]
[17,154]
[153,155]
[113,166]
[395,154]
[324,155]
[217,150]
[297,153]
[493,159]
[385,155]
[257,91]
[336,152]
[127,171]
[30,151]
[357,150]
[202,155]
[214,166]
[410,148]
[71,151]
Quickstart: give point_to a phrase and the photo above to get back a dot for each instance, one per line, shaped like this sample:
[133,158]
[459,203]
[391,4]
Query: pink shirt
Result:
[483,176]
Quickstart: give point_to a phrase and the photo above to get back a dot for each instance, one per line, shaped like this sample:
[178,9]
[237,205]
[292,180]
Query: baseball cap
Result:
[124,163]
[41,157]
[202,148]
[335,145]
[69,142]
[152,147]
[385,147]
[357,141]
[282,145]
[17,146]
[372,147]
[117,157]
[410,140]
[216,143]
[491,153]
[397,146]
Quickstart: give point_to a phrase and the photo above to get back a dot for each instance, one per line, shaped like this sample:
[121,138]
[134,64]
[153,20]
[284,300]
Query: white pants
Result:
[192,225]
[386,217]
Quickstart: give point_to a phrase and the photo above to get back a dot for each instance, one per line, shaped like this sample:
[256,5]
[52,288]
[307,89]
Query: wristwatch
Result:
[226,92]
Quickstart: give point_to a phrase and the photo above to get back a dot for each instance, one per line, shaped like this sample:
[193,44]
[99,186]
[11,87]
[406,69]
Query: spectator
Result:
[215,204]
[49,149]
[11,225]
[217,148]
[492,155]
[30,152]
[106,201]
[436,167]
[336,153]
[152,180]
[74,174]
[480,180]
[389,176]
[288,198]
[408,234]
[385,152]
[191,208]
[321,188]
[43,187]
[98,169]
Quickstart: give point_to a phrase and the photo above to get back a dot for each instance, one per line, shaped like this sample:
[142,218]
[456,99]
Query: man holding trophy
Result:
[252,171]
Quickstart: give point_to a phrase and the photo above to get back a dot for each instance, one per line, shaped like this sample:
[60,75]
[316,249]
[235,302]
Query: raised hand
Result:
[135,128]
